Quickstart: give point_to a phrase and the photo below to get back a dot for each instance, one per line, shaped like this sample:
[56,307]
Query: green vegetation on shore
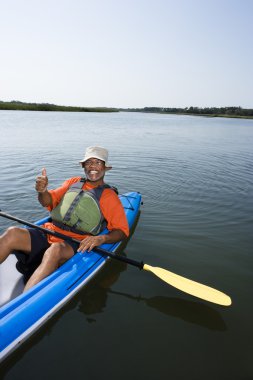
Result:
[238,112]
[20,106]
[197,111]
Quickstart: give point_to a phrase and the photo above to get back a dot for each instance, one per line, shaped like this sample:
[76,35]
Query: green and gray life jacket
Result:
[79,210]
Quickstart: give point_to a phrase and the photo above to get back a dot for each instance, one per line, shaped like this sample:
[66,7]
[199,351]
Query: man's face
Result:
[94,169]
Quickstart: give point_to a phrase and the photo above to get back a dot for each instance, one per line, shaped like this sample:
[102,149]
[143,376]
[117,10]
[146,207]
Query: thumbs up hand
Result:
[42,182]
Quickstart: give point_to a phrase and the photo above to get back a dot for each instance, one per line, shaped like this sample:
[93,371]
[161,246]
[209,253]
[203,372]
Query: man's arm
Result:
[45,199]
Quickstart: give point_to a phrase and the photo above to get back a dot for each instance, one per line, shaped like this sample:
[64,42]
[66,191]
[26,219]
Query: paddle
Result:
[184,284]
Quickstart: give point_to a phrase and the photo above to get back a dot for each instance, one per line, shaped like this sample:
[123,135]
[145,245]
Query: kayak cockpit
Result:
[11,281]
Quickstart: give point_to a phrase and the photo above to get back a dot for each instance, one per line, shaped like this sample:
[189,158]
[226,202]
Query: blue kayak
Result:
[21,316]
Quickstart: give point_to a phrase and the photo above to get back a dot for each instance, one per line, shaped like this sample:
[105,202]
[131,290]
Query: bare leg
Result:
[14,238]
[54,256]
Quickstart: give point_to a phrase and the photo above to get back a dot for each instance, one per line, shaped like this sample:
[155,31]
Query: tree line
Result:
[21,106]
[206,111]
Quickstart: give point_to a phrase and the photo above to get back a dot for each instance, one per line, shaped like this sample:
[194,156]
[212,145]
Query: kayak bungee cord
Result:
[127,197]
[184,284]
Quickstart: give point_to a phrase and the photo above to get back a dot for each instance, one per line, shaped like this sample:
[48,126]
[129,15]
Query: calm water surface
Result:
[195,175]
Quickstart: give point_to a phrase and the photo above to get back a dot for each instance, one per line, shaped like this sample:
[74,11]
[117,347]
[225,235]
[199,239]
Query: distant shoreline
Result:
[21,106]
[229,112]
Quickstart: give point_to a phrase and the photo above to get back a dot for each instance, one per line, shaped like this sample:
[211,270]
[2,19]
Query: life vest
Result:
[79,210]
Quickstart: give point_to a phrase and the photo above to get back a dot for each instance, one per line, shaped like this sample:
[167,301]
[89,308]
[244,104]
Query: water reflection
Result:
[94,298]
[192,312]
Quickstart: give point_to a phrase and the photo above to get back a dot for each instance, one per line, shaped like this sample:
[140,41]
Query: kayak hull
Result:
[22,316]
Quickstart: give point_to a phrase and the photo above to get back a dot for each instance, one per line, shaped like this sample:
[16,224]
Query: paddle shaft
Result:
[135,263]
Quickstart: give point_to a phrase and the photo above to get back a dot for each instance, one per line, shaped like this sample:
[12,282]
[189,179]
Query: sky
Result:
[127,53]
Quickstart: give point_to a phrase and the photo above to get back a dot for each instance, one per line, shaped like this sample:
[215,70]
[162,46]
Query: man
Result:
[80,208]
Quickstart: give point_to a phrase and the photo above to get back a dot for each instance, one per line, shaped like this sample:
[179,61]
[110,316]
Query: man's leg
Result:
[14,238]
[54,256]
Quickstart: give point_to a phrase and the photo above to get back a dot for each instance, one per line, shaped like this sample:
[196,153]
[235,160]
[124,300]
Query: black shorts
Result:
[28,262]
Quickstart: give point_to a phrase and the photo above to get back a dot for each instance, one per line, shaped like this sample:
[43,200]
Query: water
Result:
[195,175]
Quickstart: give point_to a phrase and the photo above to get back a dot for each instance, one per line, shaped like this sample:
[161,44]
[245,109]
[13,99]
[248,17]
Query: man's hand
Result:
[44,196]
[91,242]
[42,182]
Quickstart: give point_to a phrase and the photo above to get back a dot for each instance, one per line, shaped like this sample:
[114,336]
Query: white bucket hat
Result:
[97,152]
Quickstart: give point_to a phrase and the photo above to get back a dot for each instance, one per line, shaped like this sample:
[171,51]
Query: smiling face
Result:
[94,170]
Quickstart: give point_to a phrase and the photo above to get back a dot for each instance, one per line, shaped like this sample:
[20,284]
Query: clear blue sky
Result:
[127,53]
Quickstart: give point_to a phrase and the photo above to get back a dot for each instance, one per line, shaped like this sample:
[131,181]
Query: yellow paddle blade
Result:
[191,287]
